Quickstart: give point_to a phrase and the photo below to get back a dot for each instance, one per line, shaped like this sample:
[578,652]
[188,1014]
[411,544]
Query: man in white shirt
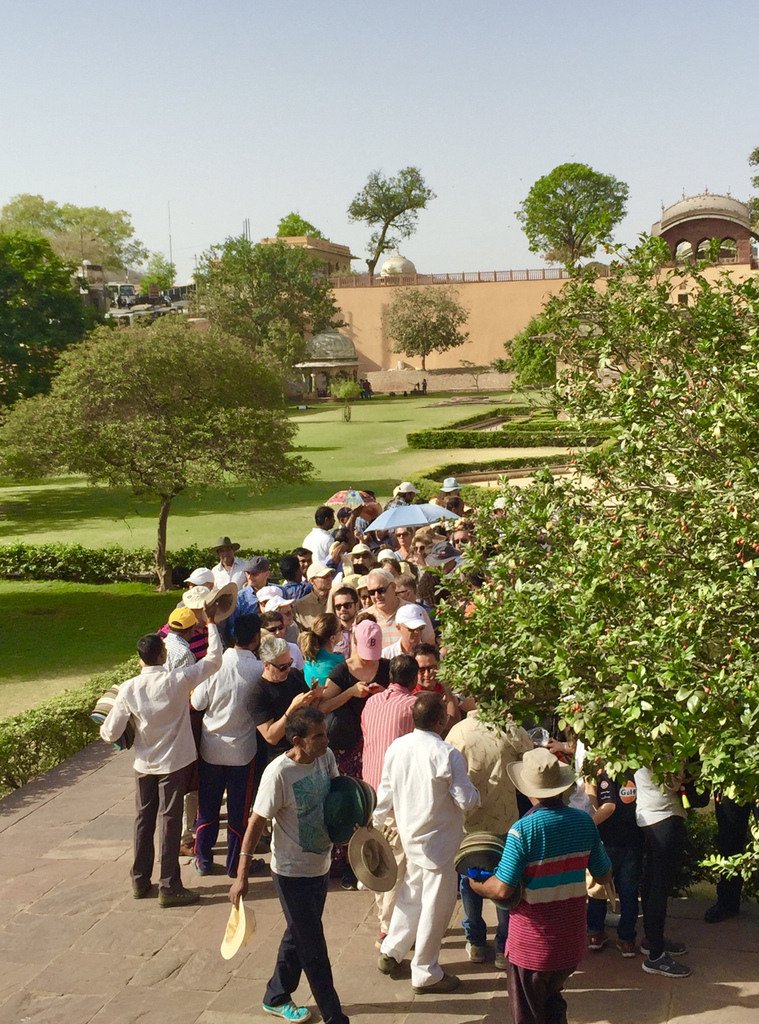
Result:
[227,746]
[319,540]
[412,625]
[229,568]
[158,702]
[292,794]
[426,786]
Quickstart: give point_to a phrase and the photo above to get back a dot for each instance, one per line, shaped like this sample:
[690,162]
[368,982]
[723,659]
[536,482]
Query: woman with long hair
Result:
[318,648]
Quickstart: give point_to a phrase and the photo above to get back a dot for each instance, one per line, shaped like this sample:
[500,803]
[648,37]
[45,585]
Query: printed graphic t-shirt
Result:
[292,795]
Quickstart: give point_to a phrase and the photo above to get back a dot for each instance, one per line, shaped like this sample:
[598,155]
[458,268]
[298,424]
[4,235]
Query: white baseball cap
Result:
[410,615]
[387,553]
[199,577]
[270,591]
[276,602]
[407,488]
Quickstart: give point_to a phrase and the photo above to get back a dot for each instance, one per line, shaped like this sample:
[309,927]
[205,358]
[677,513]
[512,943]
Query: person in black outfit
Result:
[280,690]
[732,833]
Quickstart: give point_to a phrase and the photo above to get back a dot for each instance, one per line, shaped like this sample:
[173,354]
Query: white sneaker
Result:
[476,954]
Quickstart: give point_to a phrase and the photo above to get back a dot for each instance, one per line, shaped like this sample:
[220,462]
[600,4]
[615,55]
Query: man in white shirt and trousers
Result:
[426,786]
[158,702]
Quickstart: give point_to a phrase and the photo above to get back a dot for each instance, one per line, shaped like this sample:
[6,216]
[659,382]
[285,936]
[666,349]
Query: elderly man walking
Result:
[158,703]
[426,786]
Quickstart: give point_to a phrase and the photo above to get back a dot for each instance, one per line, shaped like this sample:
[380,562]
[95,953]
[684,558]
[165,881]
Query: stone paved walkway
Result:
[76,948]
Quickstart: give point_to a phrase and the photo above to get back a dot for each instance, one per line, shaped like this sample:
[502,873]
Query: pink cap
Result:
[368,640]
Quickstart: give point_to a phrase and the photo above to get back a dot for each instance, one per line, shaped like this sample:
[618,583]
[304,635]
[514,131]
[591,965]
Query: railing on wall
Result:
[467,277]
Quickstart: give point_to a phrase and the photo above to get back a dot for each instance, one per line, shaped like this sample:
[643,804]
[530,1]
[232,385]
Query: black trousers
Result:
[159,798]
[535,996]
[732,824]
[303,947]
[664,846]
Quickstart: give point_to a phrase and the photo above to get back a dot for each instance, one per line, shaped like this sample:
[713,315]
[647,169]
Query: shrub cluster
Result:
[428,482]
[37,740]
[540,429]
[111,564]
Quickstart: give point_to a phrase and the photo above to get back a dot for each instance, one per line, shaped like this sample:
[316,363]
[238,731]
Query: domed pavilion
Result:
[689,225]
[328,355]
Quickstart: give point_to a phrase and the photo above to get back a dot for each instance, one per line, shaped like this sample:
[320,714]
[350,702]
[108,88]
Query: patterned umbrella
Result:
[350,497]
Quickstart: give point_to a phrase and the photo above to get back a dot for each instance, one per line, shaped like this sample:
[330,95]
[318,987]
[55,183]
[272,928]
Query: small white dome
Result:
[397,264]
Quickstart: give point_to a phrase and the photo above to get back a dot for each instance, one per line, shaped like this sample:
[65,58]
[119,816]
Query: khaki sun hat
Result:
[540,774]
[219,602]
[239,930]
[372,860]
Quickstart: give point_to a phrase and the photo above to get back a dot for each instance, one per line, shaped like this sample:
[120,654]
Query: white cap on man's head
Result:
[407,488]
[200,577]
[411,616]
[317,569]
[266,593]
[387,553]
[273,604]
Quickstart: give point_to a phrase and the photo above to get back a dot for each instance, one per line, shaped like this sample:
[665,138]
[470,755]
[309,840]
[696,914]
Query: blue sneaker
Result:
[289,1011]
[200,870]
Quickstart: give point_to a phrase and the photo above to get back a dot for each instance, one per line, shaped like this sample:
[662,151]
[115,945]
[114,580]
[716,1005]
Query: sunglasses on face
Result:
[428,670]
[348,604]
[283,668]
[378,590]
[276,628]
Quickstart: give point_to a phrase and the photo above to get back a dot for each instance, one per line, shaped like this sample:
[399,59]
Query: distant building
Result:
[689,225]
[337,258]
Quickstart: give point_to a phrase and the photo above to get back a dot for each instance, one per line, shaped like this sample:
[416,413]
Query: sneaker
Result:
[501,962]
[447,983]
[476,954]
[627,949]
[200,869]
[665,965]
[672,948]
[597,942]
[183,898]
[719,912]
[297,1014]
[386,964]
[141,892]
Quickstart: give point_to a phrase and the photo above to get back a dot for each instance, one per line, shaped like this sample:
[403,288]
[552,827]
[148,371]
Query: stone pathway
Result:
[75,947]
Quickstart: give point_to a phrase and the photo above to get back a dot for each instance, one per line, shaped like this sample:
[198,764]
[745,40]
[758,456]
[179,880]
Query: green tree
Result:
[531,356]
[634,617]
[76,233]
[571,211]
[270,295]
[348,391]
[392,205]
[160,410]
[424,320]
[41,314]
[159,271]
[293,226]
[753,161]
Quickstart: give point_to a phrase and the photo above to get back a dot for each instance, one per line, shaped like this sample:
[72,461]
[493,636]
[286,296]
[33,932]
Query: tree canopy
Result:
[270,295]
[76,233]
[571,211]
[625,598]
[753,161]
[531,356]
[392,206]
[159,410]
[293,226]
[41,314]
[424,320]
[159,271]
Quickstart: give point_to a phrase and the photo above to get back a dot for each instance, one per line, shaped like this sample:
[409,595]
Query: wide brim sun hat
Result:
[218,603]
[540,774]
[239,931]
[372,860]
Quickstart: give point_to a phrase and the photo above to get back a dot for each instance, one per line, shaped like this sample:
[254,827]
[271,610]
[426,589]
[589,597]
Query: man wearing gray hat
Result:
[229,568]
[256,571]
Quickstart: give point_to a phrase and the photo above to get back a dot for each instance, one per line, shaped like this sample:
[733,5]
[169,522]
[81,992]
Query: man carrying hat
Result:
[229,568]
[547,851]
[292,794]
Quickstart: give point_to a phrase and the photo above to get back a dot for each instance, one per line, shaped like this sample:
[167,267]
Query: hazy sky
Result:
[233,109]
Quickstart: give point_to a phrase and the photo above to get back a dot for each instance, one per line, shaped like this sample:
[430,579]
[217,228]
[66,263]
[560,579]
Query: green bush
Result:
[39,739]
[428,483]
[112,564]
[512,436]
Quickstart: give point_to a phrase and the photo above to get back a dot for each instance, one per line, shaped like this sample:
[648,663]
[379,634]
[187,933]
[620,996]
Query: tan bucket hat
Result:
[540,774]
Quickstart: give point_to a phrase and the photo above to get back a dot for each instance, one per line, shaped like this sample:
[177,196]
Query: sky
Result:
[235,109]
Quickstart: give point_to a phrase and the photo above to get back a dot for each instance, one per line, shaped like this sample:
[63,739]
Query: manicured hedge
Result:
[428,483]
[112,564]
[526,436]
[37,740]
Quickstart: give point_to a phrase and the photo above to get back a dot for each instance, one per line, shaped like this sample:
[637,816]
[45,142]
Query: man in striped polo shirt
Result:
[547,851]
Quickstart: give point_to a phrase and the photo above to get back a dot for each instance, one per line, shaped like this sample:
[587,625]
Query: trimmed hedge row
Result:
[37,740]
[428,483]
[527,436]
[111,564]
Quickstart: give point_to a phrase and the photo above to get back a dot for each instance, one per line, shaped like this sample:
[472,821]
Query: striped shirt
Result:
[548,850]
[385,717]
[198,641]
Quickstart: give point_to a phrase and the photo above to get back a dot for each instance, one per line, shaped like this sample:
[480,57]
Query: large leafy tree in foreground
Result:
[633,612]
[41,314]
[269,295]
[571,211]
[159,410]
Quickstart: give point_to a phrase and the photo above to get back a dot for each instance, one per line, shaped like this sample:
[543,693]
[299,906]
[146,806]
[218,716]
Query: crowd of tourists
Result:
[329,664]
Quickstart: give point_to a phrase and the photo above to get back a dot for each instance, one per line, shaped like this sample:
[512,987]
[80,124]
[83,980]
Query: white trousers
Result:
[422,914]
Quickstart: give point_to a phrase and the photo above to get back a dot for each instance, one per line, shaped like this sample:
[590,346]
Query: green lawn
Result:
[58,634]
[370,451]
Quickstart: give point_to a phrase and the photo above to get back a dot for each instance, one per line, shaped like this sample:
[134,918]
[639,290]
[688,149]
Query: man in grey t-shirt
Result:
[292,793]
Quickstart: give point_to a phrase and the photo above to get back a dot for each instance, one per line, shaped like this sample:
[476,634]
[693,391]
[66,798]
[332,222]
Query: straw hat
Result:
[372,860]
[540,774]
[219,602]
[239,931]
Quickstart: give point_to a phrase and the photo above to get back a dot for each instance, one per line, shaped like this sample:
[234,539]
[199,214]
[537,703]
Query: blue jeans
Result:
[303,947]
[625,865]
[475,928]
[238,780]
